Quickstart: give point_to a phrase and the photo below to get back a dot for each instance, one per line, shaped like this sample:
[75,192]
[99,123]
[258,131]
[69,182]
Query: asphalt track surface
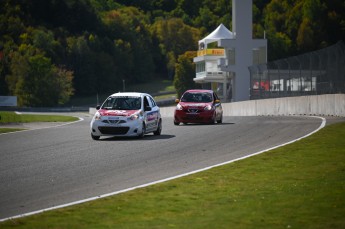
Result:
[48,167]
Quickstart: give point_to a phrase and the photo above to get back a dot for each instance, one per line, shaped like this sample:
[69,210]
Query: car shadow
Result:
[157,137]
[148,137]
[207,124]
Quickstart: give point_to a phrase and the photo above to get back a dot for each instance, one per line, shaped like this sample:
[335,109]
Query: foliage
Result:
[185,72]
[103,42]
[302,25]
[174,39]
[130,29]
[36,81]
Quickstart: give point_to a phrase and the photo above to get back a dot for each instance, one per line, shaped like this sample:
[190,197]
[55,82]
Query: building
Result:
[224,56]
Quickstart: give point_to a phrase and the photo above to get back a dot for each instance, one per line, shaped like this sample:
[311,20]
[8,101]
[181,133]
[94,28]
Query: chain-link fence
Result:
[314,73]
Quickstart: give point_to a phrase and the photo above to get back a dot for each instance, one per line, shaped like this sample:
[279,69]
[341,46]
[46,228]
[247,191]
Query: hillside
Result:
[52,50]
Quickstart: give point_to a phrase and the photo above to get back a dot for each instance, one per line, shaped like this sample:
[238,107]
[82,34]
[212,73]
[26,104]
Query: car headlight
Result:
[179,107]
[98,116]
[135,116]
[208,108]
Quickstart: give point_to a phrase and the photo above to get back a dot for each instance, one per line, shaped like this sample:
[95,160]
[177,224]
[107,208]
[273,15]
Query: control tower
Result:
[224,67]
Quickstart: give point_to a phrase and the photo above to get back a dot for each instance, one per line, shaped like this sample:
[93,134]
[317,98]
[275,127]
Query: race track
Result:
[48,167]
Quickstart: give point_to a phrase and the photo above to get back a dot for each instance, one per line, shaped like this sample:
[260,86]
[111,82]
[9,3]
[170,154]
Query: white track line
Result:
[323,124]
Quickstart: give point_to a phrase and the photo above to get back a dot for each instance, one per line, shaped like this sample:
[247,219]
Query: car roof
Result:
[199,90]
[135,94]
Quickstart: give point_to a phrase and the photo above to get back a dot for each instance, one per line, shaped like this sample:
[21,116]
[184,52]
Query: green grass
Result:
[301,185]
[11,117]
[167,96]
[8,130]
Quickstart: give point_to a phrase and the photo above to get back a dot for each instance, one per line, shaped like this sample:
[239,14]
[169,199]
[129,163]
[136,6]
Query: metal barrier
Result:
[314,73]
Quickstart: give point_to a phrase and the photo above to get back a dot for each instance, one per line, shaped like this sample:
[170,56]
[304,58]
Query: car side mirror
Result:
[177,100]
[147,108]
[98,107]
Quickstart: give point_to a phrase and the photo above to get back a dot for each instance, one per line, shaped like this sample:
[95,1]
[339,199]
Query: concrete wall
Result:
[328,105]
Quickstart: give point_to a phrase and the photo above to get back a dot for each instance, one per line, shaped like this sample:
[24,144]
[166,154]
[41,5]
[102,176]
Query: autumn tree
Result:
[184,73]
[129,29]
[175,38]
[36,81]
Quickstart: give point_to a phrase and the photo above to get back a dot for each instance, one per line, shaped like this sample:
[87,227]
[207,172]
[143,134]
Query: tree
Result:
[278,41]
[305,35]
[63,82]
[174,38]
[36,81]
[184,73]
[129,29]
[206,19]
[82,61]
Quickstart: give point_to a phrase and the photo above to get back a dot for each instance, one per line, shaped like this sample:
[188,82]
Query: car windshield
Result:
[198,97]
[122,103]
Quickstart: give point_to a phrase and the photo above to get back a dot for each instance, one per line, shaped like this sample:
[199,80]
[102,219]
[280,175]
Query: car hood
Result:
[125,113]
[194,105]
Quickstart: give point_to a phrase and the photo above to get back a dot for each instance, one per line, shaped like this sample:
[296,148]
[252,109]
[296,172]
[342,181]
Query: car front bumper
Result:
[187,117]
[116,128]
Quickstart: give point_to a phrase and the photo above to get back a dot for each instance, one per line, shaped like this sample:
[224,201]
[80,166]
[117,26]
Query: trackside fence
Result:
[315,73]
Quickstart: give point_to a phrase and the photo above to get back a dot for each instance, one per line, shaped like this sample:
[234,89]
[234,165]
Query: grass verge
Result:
[11,117]
[301,185]
[8,130]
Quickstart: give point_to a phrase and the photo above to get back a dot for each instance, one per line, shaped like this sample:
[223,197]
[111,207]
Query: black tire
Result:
[220,120]
[213,119]
[159,128]
[142,134]
[95,137]
[176,123]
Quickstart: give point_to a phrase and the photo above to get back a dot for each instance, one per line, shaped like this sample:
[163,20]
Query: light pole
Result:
[123,86]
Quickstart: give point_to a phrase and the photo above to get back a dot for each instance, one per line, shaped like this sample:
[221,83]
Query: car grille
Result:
[113,130]
[192,117]
[114,121]
[194,111]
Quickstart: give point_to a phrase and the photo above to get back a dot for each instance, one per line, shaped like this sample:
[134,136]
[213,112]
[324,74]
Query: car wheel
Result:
[143,130]
[94,137]
[176,123]
[213,119]
[159,128]
[220,120]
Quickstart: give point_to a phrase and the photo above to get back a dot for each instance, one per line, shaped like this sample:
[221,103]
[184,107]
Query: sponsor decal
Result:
[152,116]
[194,105]
[8,101]
[117,112]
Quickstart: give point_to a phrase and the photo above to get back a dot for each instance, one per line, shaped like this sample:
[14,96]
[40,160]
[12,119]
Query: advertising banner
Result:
[8,101]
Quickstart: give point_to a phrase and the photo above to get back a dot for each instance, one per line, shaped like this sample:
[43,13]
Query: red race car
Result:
[198,106]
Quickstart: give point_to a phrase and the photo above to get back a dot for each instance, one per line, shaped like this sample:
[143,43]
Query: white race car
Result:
[126,114]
